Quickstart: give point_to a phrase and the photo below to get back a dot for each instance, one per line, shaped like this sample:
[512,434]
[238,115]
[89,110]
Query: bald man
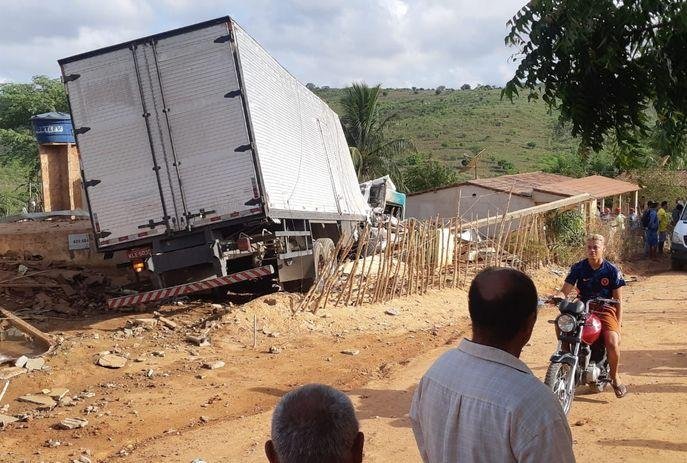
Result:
[315,424]
[480,402]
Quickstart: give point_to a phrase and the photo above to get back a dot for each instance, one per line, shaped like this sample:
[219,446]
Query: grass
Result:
[517,136]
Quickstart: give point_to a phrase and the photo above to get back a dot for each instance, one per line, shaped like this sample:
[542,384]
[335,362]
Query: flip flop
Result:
[620,390]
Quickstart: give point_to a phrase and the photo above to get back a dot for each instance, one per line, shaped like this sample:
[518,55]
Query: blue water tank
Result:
[53,127]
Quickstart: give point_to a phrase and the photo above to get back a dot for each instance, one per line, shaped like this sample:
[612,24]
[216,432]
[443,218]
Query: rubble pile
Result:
[36,287]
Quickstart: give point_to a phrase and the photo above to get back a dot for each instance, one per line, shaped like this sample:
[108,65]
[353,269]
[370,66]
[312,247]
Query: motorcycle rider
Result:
[597,277]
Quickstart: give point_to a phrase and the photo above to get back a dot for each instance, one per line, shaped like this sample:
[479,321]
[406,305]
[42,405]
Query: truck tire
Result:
[322,253]
[676,264]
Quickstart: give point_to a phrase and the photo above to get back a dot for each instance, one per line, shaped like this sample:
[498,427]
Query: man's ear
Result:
[357,450]
[270,452]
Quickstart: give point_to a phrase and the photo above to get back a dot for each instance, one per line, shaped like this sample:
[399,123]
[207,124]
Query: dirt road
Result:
[183,412]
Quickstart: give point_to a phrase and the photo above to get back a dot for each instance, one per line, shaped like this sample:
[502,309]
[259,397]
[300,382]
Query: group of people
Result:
[478,402]
[656,222]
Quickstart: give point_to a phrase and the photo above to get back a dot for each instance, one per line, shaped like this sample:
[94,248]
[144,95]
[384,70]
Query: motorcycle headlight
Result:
[566,323]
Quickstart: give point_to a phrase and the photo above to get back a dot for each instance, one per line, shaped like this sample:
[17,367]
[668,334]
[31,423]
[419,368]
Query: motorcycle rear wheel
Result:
[557,377]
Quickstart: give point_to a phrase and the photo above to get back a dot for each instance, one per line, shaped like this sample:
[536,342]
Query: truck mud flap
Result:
[188,288]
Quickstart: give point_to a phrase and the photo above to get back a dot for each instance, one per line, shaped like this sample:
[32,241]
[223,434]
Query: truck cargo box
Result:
[199,127]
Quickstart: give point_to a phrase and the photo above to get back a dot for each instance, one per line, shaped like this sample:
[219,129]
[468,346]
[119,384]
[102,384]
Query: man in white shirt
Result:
[480,402]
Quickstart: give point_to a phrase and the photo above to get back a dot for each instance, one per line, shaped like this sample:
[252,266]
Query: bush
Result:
[661,184]
[566,232]
[424,173]
[531,144]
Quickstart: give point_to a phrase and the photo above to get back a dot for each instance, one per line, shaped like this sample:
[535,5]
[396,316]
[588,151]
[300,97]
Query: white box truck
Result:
[202,157]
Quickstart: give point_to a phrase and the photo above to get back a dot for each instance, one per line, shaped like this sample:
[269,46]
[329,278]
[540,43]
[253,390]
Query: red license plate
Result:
[139,253]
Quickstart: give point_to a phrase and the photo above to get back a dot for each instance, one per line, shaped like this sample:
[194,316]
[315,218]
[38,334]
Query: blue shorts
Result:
[651,237]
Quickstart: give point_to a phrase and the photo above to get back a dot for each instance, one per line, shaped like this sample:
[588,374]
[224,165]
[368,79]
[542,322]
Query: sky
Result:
[395,43]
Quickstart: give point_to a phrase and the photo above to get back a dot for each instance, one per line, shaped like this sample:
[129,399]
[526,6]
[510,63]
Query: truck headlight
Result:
[676,237]
[566,323]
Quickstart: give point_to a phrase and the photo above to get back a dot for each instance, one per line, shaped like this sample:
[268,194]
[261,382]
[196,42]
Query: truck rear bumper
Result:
[188,288]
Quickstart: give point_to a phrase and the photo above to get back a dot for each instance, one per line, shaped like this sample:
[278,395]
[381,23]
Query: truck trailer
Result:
[204,159]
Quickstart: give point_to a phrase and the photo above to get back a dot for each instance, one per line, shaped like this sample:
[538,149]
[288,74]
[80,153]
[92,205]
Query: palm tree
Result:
[373,154]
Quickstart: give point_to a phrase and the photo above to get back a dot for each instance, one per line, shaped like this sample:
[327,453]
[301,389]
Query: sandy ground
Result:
[184,412]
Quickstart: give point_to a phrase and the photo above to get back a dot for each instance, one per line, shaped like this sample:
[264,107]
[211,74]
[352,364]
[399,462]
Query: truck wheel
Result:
[322,253]
[676,264]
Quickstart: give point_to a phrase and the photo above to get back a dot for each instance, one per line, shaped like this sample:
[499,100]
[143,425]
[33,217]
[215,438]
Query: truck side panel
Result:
[304,159]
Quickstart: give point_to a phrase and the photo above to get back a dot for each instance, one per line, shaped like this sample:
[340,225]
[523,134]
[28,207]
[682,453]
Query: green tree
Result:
[18,148]
[424,173]
[374,155]
[603,64]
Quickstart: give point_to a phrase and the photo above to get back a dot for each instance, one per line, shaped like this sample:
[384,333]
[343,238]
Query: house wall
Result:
[475,203]
[542,197]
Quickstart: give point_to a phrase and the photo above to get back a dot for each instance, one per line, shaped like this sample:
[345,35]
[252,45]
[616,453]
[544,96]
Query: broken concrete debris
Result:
[58,393]
[199,340]
[168,323]
[275,350]
[147,323]
[391,312]
[21,361]
[34,364]
[6,419]
[213,365]
[350,352]
[44,402]
[73,423]
[111,361]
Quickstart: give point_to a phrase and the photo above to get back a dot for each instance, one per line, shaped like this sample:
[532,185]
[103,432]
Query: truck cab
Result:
[383,197]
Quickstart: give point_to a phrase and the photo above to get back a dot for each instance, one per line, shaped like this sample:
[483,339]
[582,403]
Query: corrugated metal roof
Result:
[596,185]
[521,184]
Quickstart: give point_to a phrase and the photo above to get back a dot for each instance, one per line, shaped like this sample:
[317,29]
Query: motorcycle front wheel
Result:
[557,378]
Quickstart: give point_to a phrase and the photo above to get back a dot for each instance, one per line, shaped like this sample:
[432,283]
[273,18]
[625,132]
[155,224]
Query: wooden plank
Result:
[27,328]
[530,211]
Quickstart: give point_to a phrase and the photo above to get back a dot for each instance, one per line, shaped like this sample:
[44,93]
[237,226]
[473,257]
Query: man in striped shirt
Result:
[480,402]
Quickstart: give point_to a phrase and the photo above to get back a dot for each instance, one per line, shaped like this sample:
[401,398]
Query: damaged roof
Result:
[596,185]
[521,184]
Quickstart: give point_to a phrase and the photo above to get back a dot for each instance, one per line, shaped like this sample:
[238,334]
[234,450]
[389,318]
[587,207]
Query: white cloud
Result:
[399,43]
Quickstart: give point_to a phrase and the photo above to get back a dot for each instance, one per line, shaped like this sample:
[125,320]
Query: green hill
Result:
[454,124]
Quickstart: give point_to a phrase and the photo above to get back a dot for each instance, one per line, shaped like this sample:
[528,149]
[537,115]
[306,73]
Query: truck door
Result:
[204,131]
[128,197]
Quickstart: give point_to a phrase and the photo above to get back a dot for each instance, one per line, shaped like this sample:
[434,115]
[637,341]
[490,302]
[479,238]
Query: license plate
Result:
[139,253]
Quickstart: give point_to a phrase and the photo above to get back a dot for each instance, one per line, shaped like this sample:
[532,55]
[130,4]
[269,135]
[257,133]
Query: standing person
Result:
[634,219]
[597,277]
[315,424]
[479,402]
[663,223]
[650,224]
[619,219]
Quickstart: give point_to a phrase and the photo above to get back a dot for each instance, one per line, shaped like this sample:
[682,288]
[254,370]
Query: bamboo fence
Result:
[414,256]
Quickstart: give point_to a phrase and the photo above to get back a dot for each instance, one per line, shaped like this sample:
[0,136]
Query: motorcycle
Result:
[580,357]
